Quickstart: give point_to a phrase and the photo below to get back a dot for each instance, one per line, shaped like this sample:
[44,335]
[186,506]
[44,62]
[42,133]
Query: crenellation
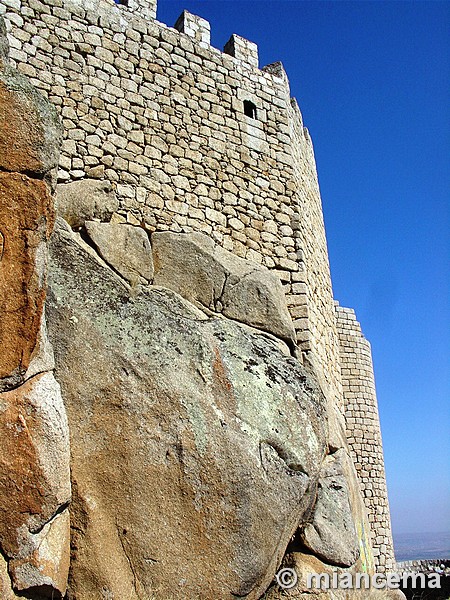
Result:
[277,70]
[242,49]
[194,26]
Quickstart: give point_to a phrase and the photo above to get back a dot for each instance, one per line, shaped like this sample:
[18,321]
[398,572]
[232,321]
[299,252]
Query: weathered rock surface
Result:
[42,358]
[331,536]
[258,299]
[199,449]
[30,131]
[34,435]
[299,557]
[30,134]
[339,450]
[125,248]
[4,46]
[84,200]
[34,482]
[193,267]
[42,567]
[352,520]
[26,219]
[186,264]
[306,564]
[6,592]
[196,445]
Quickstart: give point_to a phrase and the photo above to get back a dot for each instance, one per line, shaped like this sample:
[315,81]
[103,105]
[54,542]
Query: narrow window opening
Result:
[249,109]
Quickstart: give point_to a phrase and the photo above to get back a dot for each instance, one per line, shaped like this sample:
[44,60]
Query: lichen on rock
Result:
[195,441]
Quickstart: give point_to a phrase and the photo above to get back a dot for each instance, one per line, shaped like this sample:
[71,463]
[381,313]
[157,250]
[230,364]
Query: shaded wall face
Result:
[363,432]
[315,318]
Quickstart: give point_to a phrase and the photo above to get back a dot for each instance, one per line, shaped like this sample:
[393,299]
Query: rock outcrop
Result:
[165,133]
[26,218]
[125,248]
[30,135]
[196,444]
[193,266]
[331,535]
[84,200]
[34,435]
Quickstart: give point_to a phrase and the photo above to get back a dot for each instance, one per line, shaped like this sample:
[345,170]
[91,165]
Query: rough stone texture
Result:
[306,564]
[258,300]
[196,445]
[363,432]
[160,115]
[300,558]
[331,535]
[312,296]
[26,219]
[6,592]
[30,132]
[4,46]
[187,264]
[192,266]
[42,567]
[34,436]
[338,447]
[242,49]
[82,201]
[125,248]
[195,27]
[42,358]
[29,138]
[34,483]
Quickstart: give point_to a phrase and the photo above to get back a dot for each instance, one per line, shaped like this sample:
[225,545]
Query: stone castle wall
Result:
[363,430]
[161,113]
[193,140]
[316,328]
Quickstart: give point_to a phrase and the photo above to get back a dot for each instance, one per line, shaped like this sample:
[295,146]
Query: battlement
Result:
[242,49]
[120,15]
[195,27]
[144,8]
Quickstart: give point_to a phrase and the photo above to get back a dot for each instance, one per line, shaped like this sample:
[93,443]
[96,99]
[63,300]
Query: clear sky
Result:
[372,81]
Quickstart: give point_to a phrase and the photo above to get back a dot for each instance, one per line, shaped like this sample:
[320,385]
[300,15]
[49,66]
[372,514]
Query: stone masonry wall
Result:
[363,431]
[192,138]
[316,327]
[160,113]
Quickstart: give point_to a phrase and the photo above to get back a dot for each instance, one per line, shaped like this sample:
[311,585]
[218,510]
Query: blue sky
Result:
[372,81]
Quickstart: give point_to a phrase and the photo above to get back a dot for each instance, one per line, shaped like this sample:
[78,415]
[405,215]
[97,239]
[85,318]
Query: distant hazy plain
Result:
[421,546]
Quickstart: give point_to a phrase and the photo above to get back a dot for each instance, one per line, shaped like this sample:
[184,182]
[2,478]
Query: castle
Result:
[195,139]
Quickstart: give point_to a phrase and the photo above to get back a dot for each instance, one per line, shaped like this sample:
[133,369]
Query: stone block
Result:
[242,49]
[125,248]
[195,27]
